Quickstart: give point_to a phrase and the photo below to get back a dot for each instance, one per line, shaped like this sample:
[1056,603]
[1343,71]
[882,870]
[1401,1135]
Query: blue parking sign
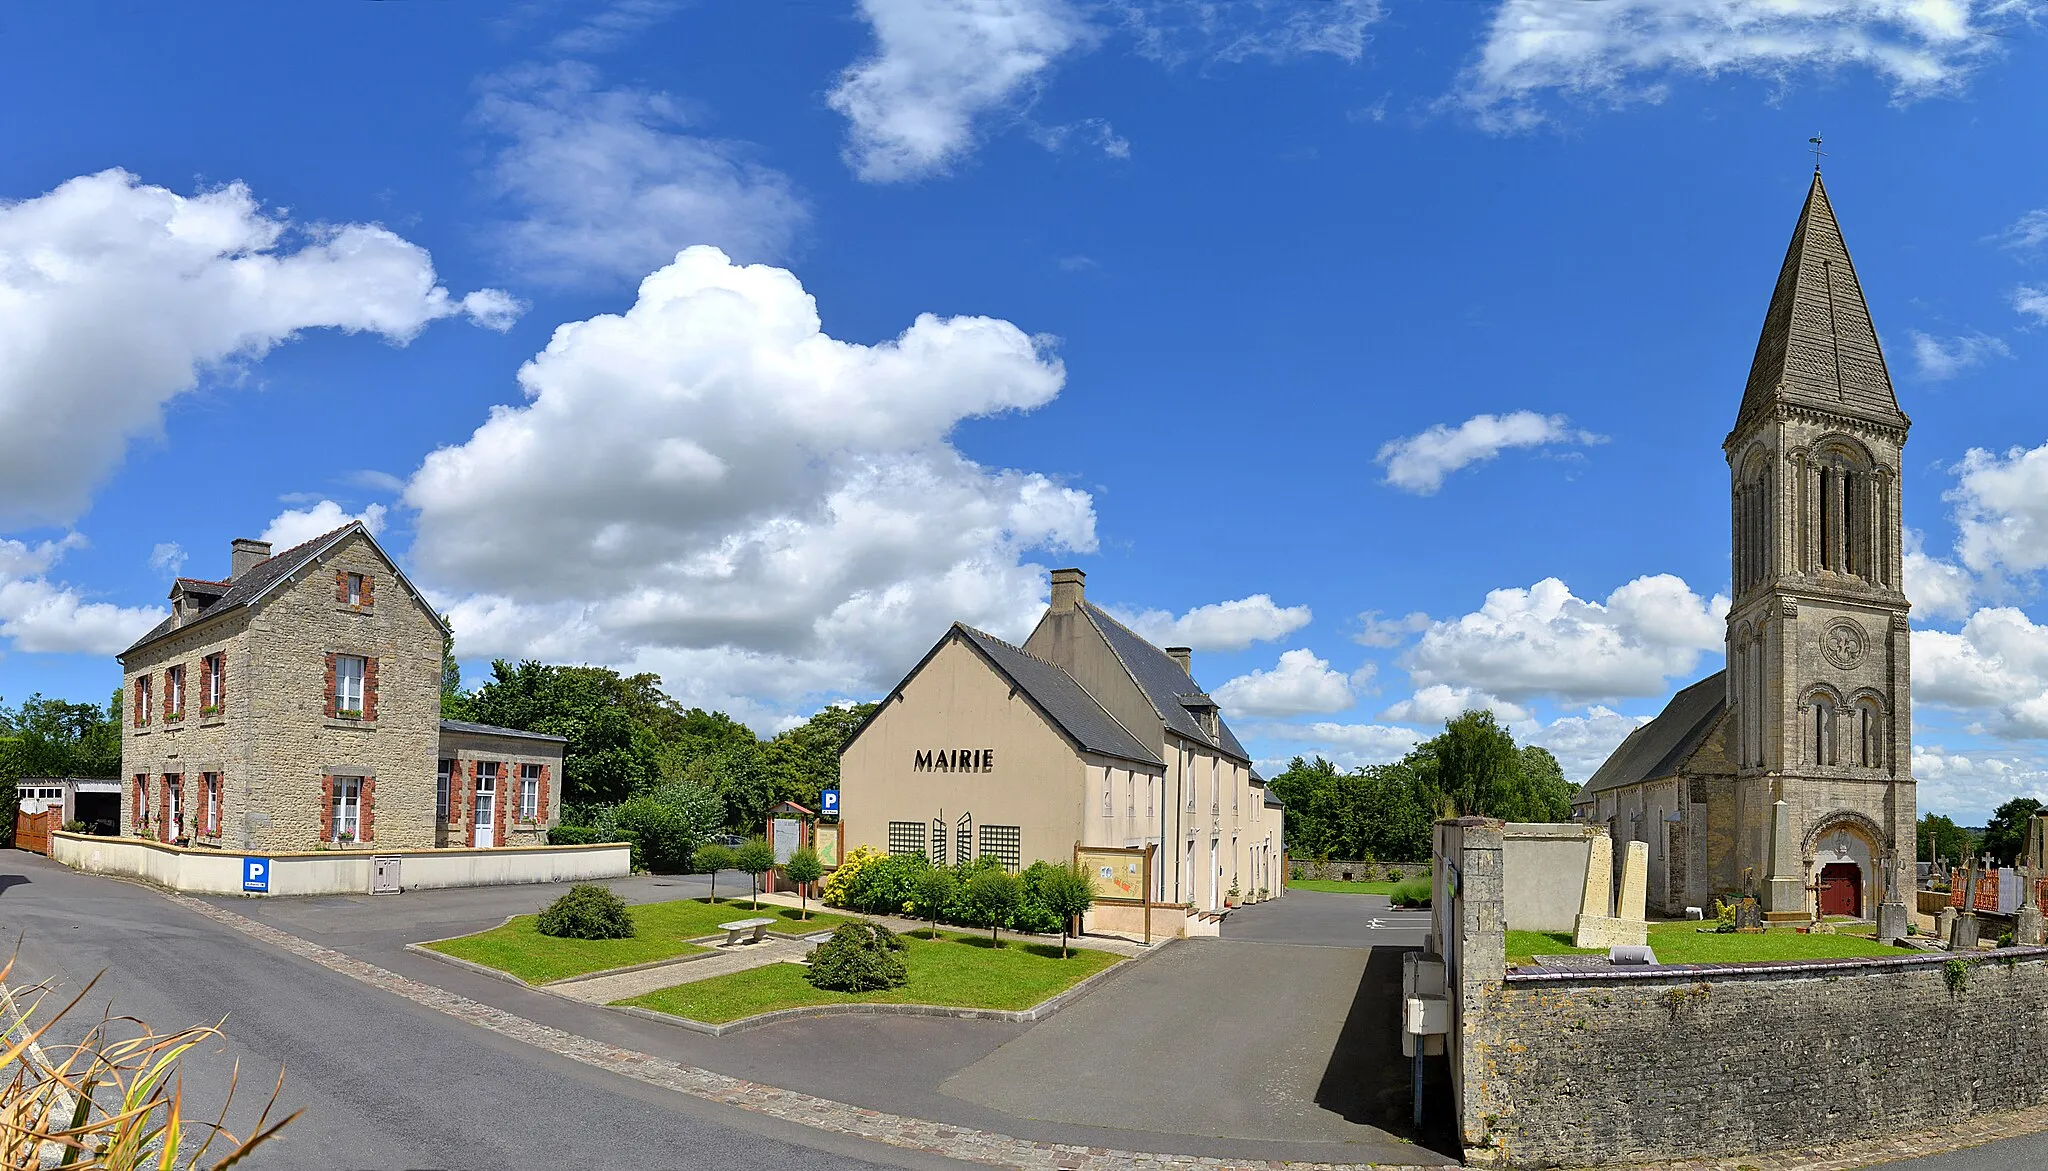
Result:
[828,801]
[256,875]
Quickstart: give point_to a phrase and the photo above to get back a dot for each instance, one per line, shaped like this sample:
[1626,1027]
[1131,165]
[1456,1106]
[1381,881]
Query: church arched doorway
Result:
[1841,889]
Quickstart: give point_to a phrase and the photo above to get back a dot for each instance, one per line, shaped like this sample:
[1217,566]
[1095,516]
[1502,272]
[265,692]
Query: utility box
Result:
[1425,1007]
[384,874]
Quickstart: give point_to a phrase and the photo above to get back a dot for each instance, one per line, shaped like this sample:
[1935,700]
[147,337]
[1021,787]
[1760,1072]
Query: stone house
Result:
[1086,734]
[296,704]
[1788,774]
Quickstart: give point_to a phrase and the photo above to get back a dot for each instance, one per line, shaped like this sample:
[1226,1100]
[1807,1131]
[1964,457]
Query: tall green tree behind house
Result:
[614,723]
[2006,835]
[55,738]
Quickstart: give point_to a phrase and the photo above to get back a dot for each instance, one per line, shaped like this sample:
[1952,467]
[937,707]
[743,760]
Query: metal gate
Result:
[32,830]
[384,875]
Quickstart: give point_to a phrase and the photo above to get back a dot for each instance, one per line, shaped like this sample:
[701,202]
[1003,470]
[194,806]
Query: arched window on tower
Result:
[1869,734]
[1846,504]
[1823,730]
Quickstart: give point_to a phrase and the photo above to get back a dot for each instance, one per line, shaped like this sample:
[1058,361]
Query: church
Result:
[1788,775]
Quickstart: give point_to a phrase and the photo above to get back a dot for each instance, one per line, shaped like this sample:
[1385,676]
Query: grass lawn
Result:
[519,948]
[1684,943]
[958,971]
[1332,886]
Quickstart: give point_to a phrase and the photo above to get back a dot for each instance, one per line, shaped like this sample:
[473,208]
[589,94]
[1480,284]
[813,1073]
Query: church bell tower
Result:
[1817,638]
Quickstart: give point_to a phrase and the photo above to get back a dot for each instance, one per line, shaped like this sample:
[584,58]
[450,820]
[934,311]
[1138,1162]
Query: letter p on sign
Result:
[256,875]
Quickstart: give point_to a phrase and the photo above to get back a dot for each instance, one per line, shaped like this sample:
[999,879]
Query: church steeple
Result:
[1819,349]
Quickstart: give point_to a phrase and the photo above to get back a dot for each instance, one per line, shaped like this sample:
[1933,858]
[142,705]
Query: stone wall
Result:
[1339,870]
[1658,1065]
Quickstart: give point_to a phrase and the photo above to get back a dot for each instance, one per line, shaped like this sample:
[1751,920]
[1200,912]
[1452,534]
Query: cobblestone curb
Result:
[895,1130]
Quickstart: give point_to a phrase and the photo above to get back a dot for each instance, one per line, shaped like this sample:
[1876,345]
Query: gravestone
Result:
[1749,917]
[1626,925]
[2028,929]
[1963,936]
[1894,917]
[1785,894]
[1945,923]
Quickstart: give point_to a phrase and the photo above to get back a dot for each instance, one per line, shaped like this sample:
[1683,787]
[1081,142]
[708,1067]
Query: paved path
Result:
[772,949]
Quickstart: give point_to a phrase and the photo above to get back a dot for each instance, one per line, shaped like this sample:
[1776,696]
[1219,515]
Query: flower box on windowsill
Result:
[174,717]
[209,710]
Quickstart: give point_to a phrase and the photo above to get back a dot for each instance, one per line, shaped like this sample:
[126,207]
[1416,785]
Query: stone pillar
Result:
[2028,929]
[1477,950]
[1785,893]
[1962,935]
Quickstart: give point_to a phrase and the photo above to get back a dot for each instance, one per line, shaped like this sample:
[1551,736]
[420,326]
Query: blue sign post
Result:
[828,802]
[256,875]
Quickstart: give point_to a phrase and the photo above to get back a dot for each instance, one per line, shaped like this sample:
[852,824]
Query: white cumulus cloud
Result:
[941,66]
[711,486]
[1439,702]
[1937,588]
[1347,745]
[168,559]
[2001,510]
[38,615]
[611,184]
[1995,670]
[1376,631]
[1299,684]
[2032,301]
[1967,785]
[1620,51]
[296,526]
[118,295]
[1419,463]
[1219,626]
[1543,641]
[1942,358]
[1582,743]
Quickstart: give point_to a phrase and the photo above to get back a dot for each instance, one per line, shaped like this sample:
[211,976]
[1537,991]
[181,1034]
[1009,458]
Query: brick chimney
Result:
[1182,655]
[245,554]
[1066,588]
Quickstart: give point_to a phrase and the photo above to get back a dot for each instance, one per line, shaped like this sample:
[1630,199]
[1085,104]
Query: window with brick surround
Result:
[346,809]
[209,804]
[348,686]
[353,589]
[1004,842]
[174,692]
[143,691]
[441,775]
[213,679]
[906,837]
[529,792]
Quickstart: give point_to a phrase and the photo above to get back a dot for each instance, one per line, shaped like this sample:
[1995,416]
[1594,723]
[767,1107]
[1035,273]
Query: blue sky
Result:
[1382,351]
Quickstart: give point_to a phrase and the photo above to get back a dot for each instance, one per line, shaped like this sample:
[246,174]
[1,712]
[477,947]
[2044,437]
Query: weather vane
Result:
[1817,153]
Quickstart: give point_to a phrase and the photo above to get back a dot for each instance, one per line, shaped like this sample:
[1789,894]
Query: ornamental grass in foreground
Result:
[660,932]
[954,971]
[113,1099]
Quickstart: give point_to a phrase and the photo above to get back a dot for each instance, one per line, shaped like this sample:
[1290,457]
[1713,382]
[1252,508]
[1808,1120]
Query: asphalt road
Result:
[383,1082]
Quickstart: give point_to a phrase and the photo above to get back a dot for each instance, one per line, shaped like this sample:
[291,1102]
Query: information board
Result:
[1117,873]
[825,839]
[787,830]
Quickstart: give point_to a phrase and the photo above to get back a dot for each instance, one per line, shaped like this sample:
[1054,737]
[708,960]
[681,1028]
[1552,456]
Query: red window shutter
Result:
[141,800]
[326,808]
[163,810]
[330,685]
[370,690]
[366,590]
[543,812]
[368,810]
[340,585]
[167,691]
[139,702]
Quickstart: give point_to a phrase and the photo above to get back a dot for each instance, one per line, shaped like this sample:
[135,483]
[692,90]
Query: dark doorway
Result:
[1841,889]
[101,812]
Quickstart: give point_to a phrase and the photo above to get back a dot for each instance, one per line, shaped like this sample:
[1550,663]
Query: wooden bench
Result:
[739,927]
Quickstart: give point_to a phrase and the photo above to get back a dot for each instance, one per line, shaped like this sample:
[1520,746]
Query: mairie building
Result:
[1788,775]
[1086,735]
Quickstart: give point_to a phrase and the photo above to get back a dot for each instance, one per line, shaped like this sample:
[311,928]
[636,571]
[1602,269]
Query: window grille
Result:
[906,837]
[963,839]
[441,789]
[1004,842]
[938,841]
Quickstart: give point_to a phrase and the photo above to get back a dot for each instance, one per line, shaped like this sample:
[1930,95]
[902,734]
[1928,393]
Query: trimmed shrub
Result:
[588,911]
[992,899]
[1394,874]
[1413,893]
[577,835]
[712,857]
[1066,892]
[932,893]
[841,879]
[886,885]
[756,858]
[666,838]
[860,957]
[803,868]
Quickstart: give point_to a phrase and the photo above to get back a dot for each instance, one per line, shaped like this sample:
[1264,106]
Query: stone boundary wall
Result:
[1577,1068]
[1332,870]
[327,872]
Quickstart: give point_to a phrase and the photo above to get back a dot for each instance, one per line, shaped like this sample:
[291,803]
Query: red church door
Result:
[1841,889]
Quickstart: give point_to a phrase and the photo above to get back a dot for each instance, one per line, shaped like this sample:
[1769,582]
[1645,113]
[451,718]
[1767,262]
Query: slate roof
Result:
[255,581]
[1819,347]
[493,730]
[1061,697]
[1658,748]
[1170,688]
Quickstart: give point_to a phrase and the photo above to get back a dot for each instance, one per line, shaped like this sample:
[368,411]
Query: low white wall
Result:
[329,872]
[1543,868]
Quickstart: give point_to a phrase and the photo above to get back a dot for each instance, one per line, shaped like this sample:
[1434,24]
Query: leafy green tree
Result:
[1942,840]
[1477,764]
[992,897]
[755,857]
[711,858]
[454,703]
[932,890]
[614,724]
[2006,835]
[803,869]
[1068,893]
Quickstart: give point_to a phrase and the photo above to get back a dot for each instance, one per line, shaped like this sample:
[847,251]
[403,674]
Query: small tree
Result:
[992,897]
[712,858]
[1068,893]
[932,890]
[756,858]
[803,868]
